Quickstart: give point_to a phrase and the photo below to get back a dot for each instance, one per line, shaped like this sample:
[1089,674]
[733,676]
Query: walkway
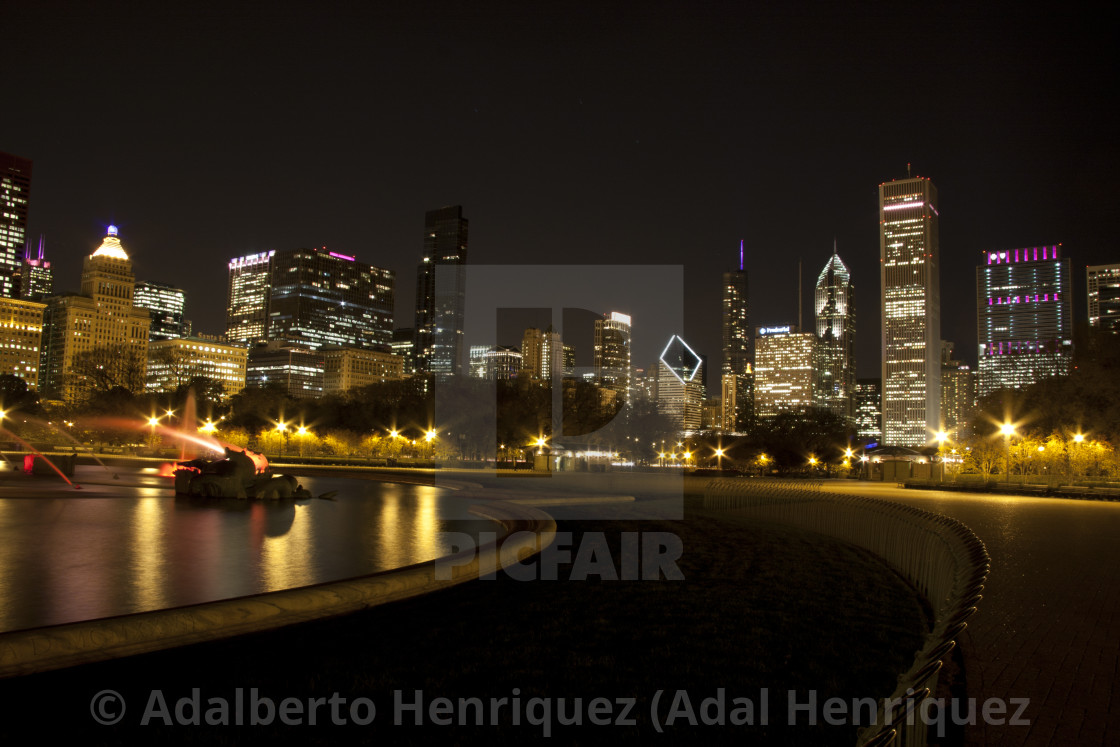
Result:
[1048,628]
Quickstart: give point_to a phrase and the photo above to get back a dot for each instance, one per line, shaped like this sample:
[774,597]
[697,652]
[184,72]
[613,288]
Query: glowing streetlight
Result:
[302,433]
[1008,430]
[280,428]
[719,459]
[1077,437]
[208,427]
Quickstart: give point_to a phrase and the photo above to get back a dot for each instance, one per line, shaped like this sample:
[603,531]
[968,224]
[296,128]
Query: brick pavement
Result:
[1048,627]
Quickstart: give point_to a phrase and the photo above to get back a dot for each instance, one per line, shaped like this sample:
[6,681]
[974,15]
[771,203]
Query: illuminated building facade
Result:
[351,368]
[911,306]
[869,412]
[1024,326]
[174,361]
[440,301]
[834,306]
[15,205]
[299,370]
[542,354]
[738,353]
[495,362]
[100,327]
[250,279]
[165,305]
[676,386]
[401,345]
[310,298]
[958,393]
[1103,283]
[21,335]
[786,365]
[612,353]
[36,278]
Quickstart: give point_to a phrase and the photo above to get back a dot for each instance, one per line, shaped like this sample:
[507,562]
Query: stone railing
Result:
[941,557]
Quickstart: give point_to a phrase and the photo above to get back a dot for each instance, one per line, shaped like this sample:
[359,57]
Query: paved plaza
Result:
[1048,627]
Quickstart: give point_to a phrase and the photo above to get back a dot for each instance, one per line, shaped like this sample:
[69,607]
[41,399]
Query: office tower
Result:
[569,359]
[1103,282]
[298,370]
[738,352]
[15,206]
[36,278]
[958,393]
[310,298]
[911,306]
[834,307]
[250,280]
[440,293]
[1023,322]
[174,361]
[786,365]
[401,345]
[165,305]
[676,385]
[21,335]
[97,339]
[542,354]
[869,414]
[352,368]
[612,353]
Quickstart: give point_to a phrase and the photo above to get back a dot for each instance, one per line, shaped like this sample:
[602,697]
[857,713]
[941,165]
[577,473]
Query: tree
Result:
[107,368]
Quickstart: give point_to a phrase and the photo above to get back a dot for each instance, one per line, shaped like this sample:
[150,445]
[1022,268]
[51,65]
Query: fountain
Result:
[242,474]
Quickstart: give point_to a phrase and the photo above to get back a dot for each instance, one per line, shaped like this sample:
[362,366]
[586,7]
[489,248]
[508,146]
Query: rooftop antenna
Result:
[907,169]
[798,294]
[740,255]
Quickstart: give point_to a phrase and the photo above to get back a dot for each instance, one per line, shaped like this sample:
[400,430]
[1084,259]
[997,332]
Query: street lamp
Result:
[280,428]
[719,459]
[1008,430]
[941,436]
[302,432]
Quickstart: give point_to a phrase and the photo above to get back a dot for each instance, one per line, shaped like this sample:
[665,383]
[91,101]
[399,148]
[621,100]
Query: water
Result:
[67,556]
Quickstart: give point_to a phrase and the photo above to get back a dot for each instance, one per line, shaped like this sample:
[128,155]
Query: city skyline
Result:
[556,157]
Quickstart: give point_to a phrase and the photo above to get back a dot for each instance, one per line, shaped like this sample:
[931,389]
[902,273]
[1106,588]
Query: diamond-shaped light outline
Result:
[699,361]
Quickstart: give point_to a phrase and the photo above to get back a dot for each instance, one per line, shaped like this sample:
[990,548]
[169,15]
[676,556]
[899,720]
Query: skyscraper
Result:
[1023,322]
[911,304]
[676,385]
[440,301]
[165,305]
[612,353]
[786,370]
[836,332]
[98,339]
[869,415]
[15,205]
[36,278]
[738,352]
[958,393]
[542,354]
[309,297]
[1103,282]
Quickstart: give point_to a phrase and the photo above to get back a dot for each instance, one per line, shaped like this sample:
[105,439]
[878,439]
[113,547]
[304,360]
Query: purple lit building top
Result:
[1028,254]
[1024,322]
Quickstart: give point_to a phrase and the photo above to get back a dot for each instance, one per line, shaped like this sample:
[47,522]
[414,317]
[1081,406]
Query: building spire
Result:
[740,255]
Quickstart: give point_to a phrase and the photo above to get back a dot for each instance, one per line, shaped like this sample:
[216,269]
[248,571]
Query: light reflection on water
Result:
[75,558]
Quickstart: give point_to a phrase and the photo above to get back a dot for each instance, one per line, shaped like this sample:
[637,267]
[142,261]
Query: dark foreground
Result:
[761,611]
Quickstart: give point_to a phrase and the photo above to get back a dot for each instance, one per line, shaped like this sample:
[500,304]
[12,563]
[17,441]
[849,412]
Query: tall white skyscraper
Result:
[911,303]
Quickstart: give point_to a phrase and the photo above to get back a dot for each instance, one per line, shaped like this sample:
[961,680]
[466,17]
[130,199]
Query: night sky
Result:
[647,133]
